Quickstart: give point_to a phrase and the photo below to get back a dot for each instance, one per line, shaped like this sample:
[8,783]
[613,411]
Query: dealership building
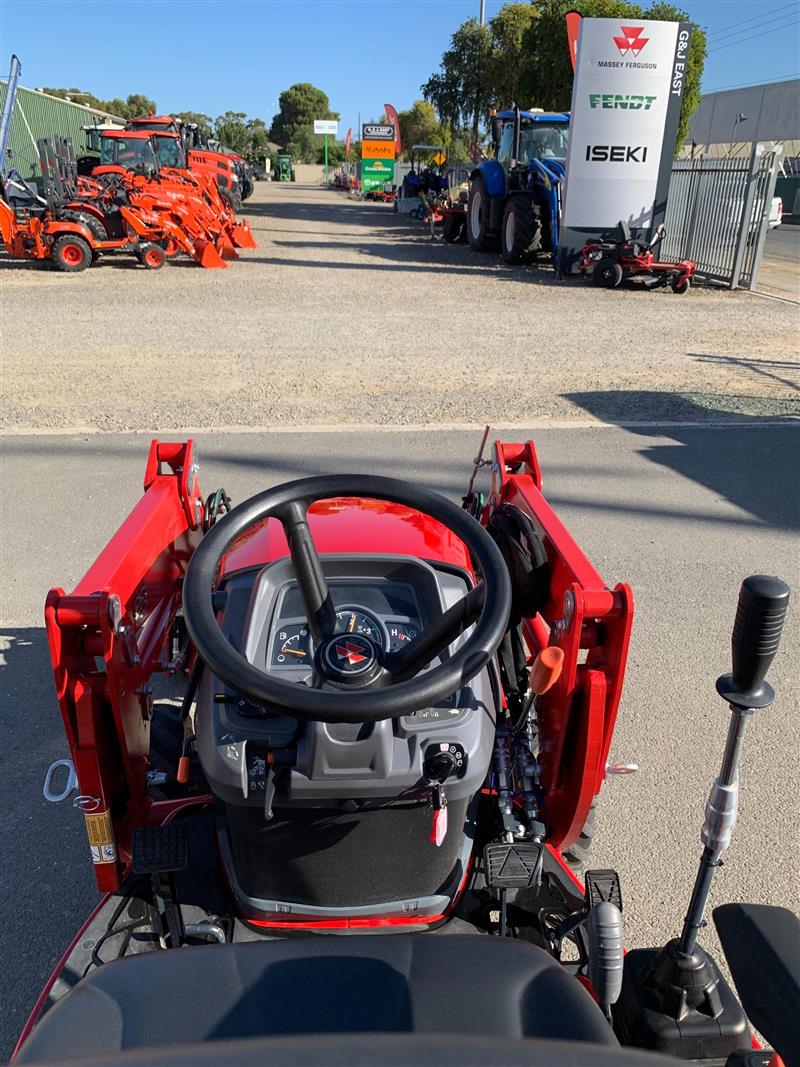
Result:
[37,114]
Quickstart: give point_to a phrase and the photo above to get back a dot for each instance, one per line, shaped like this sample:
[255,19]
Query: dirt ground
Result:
[349,314]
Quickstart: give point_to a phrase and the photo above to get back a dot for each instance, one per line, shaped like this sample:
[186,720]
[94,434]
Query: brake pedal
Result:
[160,849]
[602,886]
[513,866]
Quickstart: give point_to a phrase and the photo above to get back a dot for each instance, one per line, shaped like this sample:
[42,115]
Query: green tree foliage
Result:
[462,91]
[419,125]
[136,104]
[293,126]
[197,118]
[522,57]
[513,36]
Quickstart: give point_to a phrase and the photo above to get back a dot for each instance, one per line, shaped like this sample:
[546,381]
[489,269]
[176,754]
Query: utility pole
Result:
[483,13]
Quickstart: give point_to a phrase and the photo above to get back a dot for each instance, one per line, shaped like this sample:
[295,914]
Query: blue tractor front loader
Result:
[515,197]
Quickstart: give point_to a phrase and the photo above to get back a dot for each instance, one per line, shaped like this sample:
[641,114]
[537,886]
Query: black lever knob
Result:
[760,616]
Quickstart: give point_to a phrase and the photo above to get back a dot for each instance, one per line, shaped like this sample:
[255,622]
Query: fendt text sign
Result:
[626,102]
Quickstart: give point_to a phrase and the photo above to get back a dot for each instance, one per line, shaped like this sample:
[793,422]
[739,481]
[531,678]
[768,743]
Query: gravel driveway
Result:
[347,313]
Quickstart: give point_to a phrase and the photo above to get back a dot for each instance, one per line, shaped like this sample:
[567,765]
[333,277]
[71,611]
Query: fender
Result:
[77,229]
[493,175]
[7,222]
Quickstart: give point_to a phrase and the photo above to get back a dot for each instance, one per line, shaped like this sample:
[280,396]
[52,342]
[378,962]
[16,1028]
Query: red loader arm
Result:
[577,715]
[108,637]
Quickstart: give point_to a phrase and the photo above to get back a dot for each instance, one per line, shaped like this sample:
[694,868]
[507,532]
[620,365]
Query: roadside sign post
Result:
[326,127]
[377,156]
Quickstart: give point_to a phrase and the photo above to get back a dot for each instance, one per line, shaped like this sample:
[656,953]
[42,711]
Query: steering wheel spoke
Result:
[435,638]
[320,611]
[371,694]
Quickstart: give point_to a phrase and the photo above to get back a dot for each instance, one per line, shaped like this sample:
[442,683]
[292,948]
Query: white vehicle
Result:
[775,212]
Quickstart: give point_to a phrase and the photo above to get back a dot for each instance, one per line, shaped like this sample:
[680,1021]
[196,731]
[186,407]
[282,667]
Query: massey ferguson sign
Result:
[626,102]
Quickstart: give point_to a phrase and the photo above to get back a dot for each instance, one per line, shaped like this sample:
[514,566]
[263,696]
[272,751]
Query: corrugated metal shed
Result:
[41,115]
[771,113]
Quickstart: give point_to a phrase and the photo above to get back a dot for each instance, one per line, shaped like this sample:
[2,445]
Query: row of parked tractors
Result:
[148,190]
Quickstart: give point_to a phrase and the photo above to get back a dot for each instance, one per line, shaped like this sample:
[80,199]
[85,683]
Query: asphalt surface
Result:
[347,313]
[780,262]
[681,512]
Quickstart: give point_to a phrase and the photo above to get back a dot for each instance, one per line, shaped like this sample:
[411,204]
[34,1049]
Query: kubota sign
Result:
[626,101]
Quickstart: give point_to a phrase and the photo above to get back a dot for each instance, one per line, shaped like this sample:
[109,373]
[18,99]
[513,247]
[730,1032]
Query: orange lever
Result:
[546,669]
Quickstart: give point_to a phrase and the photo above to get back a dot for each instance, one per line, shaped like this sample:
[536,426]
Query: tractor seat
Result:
[403,983]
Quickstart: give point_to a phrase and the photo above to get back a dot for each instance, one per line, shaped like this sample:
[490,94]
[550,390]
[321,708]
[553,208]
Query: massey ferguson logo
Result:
[350,653]
[631,40]
[615,153]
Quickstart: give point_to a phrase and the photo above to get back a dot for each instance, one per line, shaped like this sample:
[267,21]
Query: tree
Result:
[462,92]
[298,107]
[522,58]
[231,131]
[135,105]
[419,125]
[513,31]
[197,118]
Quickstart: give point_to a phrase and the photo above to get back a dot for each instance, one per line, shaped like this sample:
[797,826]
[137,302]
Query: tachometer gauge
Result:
[355,621]
[292,646]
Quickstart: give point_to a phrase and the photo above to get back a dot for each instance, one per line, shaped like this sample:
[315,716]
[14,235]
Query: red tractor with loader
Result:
[354,839]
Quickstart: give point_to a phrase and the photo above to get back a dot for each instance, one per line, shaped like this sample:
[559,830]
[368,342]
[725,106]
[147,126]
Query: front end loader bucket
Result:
[225,246]
[207,256]
[242,235]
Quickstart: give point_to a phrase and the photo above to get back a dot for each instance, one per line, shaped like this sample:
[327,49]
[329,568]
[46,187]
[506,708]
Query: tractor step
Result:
[602,886]
[159,849]
[512,866]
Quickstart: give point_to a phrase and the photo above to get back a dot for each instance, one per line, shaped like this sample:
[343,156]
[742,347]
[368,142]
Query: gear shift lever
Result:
[760,615]
[674,999]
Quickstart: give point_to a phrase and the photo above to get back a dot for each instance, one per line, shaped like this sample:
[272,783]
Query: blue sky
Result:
[216,55]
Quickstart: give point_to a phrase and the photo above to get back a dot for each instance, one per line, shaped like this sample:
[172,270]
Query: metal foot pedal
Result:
[515,866]
[158,849]
[602,886]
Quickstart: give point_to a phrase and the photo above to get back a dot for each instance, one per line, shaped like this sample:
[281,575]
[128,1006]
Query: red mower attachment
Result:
[611,262]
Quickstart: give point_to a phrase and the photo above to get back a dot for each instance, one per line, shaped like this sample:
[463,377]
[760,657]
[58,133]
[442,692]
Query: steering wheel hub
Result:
[349,658]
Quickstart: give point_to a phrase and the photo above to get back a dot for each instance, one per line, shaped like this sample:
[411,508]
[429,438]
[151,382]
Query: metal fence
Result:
[718,214]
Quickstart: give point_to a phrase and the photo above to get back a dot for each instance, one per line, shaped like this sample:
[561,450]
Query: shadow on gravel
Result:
[784,371]
[752,465]
[48,887]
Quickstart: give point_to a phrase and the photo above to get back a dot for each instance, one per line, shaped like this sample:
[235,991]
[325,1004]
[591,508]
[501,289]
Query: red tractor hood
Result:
[352,524]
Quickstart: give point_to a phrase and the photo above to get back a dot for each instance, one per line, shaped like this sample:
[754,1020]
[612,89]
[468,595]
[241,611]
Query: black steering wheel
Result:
[353,679]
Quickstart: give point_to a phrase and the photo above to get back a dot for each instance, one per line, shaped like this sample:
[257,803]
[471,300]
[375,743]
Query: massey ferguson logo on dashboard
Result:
[350,653]
[615,153]
[631,40]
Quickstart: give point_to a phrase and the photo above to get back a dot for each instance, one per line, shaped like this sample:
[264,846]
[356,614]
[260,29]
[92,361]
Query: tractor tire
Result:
[93,225]
[453,228]
[578,853]
[232,199]
[479,234]
[607,273]
[71,254]
[521,235]
[681,287]
[153,257]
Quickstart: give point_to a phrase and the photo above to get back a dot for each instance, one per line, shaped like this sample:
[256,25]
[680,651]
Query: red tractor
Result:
[218,166]
[611,262]
[352,841]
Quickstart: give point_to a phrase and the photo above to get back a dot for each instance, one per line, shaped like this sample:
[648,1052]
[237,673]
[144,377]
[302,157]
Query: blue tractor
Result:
[515,198]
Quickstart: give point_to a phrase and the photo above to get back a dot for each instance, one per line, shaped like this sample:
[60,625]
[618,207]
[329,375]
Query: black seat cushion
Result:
[421,983]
